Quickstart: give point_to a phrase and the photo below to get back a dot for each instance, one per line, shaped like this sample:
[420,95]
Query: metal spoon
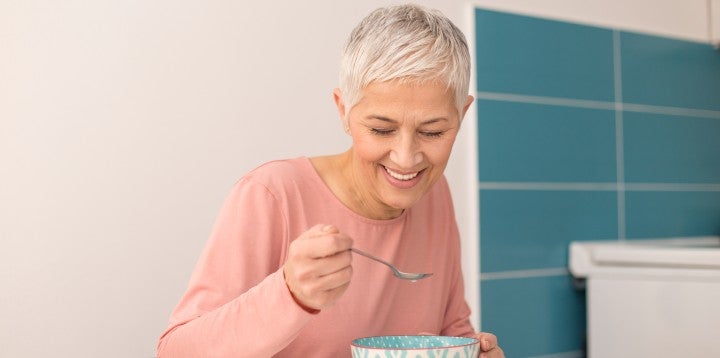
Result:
[399,274]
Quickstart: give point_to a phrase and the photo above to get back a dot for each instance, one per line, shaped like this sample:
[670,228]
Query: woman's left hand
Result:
[489,346]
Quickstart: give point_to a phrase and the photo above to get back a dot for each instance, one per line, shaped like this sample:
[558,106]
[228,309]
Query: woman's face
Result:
[402,138]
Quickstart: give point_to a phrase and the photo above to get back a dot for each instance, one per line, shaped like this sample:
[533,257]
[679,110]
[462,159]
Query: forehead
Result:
[432,98]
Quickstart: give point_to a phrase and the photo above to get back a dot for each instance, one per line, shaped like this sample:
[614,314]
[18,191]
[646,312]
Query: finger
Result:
[335,280]
[305,244]
[488,341]
[330,229]
[300,267]
[494,353]
[322,229]
[323,274]
[331,264]
[330,297]
[324,291]
[327,245]
[313,269]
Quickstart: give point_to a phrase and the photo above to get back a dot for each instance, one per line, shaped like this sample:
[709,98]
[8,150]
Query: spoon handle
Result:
[372,257]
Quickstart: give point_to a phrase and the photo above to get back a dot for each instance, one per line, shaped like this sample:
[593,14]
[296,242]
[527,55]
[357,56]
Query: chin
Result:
[404,203]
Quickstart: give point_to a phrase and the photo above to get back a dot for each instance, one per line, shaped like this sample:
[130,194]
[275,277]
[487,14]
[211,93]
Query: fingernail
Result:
[328,228]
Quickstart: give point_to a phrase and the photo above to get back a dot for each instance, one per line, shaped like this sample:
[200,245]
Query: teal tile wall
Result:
[519,57]
[531,229]
[683,74]
[661,148]
[584,133]
[547,143]
[652,214]
[545,313]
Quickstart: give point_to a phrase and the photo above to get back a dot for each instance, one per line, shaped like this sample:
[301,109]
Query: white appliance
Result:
[651,298]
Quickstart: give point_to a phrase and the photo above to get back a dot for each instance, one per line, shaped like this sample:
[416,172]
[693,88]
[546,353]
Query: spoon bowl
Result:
[399,274]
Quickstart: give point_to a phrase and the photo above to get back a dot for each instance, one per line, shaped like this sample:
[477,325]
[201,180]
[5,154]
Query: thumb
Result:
[321,229]
[328,229]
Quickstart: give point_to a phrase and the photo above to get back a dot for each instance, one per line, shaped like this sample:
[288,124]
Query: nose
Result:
[406,152]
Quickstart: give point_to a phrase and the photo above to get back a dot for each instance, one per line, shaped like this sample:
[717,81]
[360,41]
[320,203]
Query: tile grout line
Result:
[557,101]
[671,111]
[619,136]
[594,104]
[671,187]
[549,186]
[610,186]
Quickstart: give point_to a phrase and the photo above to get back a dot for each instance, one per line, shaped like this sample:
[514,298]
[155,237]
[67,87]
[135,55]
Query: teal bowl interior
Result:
[412,342]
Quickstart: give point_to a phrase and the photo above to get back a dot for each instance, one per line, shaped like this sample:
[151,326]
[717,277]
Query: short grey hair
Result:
[409,43]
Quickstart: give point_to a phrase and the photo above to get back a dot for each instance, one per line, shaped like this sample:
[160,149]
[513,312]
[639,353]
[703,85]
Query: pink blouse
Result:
[237,303]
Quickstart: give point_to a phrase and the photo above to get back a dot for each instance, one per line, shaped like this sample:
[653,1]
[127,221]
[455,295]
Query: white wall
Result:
[123,125]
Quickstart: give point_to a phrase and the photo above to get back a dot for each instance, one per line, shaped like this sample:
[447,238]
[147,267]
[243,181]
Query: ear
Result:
[469,101]
[340,104]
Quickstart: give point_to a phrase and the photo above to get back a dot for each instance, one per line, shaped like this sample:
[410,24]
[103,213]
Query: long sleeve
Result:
[238,305]
[237,302]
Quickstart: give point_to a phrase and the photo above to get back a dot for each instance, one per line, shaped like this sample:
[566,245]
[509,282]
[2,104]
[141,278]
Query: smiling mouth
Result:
[398,176]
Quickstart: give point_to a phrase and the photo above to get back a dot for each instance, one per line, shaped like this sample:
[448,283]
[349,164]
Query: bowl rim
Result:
[471,341]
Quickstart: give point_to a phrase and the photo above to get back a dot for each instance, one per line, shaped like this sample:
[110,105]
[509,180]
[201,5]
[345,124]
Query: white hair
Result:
[409,43]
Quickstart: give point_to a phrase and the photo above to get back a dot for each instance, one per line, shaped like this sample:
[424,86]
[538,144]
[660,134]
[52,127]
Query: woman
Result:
[277,277]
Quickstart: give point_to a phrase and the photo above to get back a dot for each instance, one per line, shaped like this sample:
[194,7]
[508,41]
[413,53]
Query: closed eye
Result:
[433,134]
[382,131]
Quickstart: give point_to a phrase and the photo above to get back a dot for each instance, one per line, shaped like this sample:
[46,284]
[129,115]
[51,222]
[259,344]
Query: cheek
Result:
[369,150]
[439,153]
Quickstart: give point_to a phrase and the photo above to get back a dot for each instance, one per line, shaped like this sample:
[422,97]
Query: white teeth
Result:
[401,176]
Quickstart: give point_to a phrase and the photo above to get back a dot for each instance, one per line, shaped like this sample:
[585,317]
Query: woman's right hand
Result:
[318,268]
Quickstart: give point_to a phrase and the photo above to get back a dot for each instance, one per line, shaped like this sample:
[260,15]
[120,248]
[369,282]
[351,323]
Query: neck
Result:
[342,176]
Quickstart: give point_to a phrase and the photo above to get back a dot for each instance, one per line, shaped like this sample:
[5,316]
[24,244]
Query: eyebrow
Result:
[390,120]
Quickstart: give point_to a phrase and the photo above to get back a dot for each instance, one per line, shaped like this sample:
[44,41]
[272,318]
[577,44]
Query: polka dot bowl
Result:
[415,347]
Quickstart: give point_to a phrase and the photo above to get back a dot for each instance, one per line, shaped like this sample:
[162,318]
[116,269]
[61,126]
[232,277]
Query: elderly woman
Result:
[277,277]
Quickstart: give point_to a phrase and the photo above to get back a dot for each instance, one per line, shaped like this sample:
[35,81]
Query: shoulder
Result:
[280,172]
[281,178]
[283,167]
